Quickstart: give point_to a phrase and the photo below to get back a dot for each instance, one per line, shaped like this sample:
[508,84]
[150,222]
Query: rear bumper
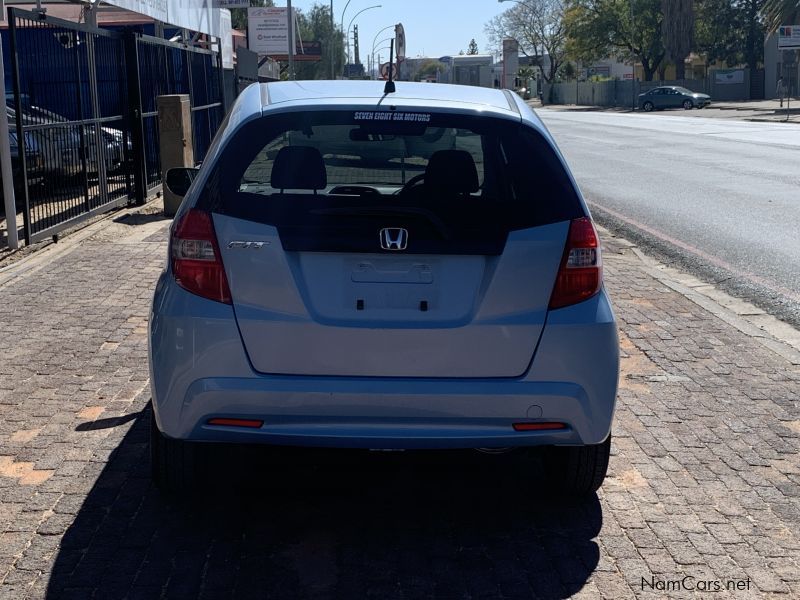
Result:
[199,371]
[385,413]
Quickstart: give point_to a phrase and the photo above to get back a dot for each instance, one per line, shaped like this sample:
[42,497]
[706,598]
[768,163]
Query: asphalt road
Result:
[719,198]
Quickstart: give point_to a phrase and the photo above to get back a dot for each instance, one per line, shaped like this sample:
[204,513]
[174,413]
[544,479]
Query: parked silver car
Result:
[672,97]
[453,302]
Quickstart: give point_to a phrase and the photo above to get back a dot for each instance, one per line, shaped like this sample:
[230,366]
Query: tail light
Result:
[581,273]
[196,259]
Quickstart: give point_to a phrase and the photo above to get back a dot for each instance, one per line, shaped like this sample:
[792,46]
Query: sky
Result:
[433,27]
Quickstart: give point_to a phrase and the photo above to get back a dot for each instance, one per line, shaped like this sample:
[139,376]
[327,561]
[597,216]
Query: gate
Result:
[168,68]
[69,90]
[85,102]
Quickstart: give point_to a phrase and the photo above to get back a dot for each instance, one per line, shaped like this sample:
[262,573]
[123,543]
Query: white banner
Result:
[194,15]
[268,30]
[731,76]
[231,3]
[226,39]
[788,37]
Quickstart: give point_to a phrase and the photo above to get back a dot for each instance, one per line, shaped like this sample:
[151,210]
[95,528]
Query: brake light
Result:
[538,426]
[581,273]
[224,422]
[196,259]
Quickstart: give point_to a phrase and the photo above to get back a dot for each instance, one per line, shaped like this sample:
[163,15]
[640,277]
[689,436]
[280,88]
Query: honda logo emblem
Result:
[394,238]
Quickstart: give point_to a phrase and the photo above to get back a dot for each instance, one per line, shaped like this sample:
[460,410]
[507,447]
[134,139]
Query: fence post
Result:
[8,172]
[135,117]
[12,31]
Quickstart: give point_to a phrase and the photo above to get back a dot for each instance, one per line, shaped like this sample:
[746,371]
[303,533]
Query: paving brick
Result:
[704,477]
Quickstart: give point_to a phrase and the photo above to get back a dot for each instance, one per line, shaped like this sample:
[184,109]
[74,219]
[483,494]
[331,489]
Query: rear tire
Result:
[173,463]
[577,470]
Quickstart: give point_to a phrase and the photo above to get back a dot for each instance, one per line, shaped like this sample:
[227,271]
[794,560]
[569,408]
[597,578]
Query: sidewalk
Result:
[704,479]
[754,110]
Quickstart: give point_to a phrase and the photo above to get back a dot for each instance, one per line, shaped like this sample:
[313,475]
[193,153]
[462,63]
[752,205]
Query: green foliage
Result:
[316,26]
[629,29]
[731,31]
[473,47]
[428,69]
[239,15]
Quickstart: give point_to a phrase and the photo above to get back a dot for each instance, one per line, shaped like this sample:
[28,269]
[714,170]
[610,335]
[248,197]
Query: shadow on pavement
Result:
[326,523]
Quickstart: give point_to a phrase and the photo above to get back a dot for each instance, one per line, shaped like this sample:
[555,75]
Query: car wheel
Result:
[647,106]
[577,470]
[688,104]
[173,463]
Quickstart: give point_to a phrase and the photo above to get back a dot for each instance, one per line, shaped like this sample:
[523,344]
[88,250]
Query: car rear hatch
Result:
[332,272]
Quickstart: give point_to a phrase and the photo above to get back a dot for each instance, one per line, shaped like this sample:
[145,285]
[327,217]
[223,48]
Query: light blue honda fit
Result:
[357,268]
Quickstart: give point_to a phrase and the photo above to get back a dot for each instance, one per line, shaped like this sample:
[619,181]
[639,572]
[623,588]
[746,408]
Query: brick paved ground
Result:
[704,481]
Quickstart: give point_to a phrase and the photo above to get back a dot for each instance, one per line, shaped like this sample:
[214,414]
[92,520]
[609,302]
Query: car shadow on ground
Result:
[268,523]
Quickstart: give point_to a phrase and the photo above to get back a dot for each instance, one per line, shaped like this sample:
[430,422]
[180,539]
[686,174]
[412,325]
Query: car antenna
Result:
[389,88]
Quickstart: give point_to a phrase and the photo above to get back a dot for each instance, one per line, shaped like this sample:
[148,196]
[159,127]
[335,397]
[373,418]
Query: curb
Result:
[41,258]
[772,333]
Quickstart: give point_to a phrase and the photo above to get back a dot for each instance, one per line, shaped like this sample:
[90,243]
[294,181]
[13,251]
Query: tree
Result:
[539,28]
[316,26]
[781,12]
[677,29]
[630,29]
[239,15]
[718,32]
[428,69]
[731,31]
[473,47]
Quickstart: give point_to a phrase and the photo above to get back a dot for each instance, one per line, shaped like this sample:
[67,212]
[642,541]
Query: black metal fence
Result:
[84,99]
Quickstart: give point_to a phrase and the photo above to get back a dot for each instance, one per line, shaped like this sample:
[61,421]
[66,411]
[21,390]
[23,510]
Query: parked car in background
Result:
[449,302]
[672,97]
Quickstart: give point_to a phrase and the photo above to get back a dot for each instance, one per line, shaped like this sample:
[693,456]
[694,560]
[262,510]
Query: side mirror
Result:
[179,179]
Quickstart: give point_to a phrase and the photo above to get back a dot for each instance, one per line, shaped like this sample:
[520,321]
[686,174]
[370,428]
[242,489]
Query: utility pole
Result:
[356,58]
[333,44]
[290,26]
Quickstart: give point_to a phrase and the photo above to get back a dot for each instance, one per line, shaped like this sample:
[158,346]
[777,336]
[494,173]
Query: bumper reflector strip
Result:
[252,423]
[538,426]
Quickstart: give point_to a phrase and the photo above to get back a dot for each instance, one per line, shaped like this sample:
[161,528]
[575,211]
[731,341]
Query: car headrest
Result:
[299,168]
[452,170]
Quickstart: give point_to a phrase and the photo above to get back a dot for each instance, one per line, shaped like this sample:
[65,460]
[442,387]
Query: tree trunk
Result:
[648,70]
[680,69]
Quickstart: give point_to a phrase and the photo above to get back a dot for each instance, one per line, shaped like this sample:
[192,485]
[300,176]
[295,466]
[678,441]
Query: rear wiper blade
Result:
[387,211]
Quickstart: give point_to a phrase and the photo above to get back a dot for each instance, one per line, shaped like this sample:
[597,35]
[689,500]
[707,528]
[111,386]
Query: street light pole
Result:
[372,54]
[351,23]
[378,45]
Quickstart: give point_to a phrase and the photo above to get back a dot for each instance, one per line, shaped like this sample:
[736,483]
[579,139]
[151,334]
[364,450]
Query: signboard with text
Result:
[789,37]
[268,30]
[231,3]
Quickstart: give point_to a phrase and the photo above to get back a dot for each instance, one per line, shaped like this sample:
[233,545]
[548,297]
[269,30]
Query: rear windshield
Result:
[459,173]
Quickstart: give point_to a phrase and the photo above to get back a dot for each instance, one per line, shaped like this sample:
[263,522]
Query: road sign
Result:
[400,41]
[385,71]
[789,37]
